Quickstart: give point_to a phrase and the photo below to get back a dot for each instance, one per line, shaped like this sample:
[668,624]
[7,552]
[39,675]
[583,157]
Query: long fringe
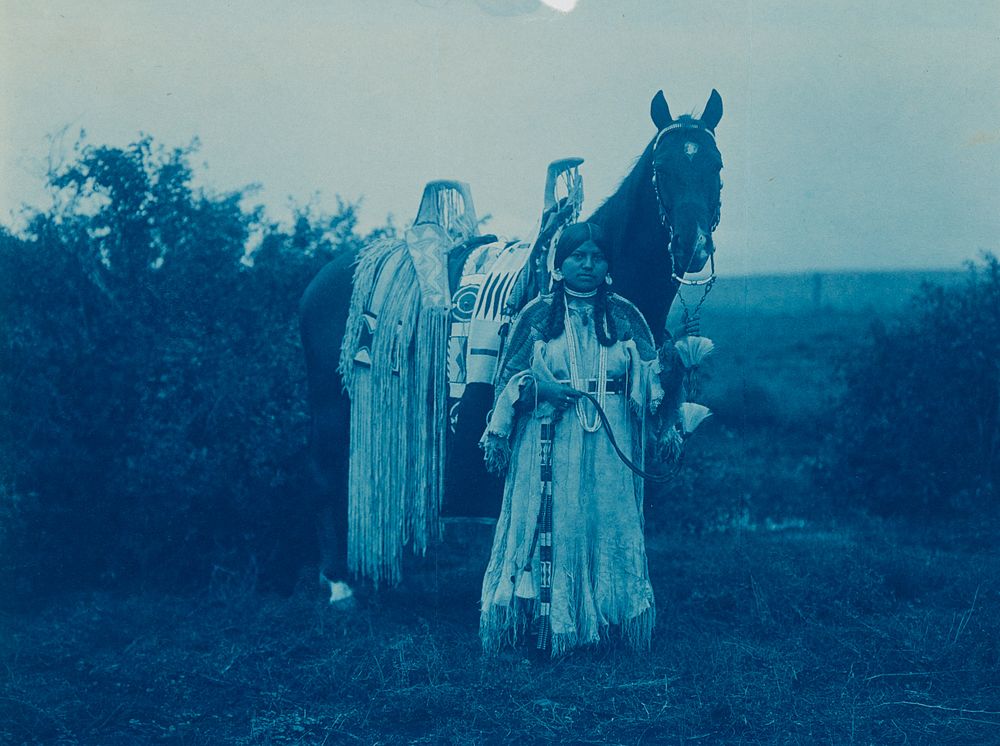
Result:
[636,633]
[369,261]
[507,626]
[398,417]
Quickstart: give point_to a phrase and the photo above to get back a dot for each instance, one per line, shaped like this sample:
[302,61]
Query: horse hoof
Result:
[344,606]
[341,596]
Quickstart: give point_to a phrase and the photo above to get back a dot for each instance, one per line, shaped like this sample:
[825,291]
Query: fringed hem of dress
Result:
[507,626]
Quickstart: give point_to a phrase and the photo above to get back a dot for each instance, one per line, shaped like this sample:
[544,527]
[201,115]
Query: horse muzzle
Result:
[691,249]
[692,244]
[702,249]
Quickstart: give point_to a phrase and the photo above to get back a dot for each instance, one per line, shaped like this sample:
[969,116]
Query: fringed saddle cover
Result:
[411,345]
[393,366]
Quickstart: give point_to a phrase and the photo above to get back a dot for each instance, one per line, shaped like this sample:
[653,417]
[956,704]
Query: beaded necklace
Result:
[577,381]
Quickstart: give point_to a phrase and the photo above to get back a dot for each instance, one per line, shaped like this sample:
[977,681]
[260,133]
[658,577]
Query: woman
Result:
[569,559]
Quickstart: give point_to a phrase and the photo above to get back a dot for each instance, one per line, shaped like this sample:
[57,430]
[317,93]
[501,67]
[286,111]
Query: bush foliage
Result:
[918,428]
[154,419]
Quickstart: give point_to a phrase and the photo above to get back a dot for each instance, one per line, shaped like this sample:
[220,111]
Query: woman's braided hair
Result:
[604,325]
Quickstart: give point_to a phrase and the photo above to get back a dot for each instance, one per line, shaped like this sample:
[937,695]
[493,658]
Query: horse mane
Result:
[618,214]
[641,265]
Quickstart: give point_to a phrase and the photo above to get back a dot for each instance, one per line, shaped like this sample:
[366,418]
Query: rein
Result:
[625,459]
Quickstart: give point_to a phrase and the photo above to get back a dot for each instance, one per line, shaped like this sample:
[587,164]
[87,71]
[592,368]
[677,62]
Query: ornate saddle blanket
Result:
[411,346]
[483,302]
[392,363]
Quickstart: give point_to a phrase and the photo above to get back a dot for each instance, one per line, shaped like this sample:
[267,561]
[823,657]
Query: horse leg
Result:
[329,466]
[323,318]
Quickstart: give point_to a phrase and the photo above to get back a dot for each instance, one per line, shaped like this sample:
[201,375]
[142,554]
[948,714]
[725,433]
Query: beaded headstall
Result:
[665,217]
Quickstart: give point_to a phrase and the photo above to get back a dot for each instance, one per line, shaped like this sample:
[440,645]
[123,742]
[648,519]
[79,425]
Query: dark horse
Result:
[660,221]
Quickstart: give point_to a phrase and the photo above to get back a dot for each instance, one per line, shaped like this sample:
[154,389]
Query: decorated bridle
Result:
[665,219]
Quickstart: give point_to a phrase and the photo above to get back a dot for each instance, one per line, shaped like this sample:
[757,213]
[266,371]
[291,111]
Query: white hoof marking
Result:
[339,591]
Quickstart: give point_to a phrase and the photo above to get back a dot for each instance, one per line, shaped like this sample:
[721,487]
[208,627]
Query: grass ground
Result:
[781,618]
[868,635]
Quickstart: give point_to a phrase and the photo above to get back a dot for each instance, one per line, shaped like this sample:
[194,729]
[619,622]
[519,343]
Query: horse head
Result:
[686,165]
[661,217]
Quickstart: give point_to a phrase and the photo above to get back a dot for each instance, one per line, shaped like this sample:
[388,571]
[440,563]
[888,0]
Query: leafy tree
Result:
[154,391]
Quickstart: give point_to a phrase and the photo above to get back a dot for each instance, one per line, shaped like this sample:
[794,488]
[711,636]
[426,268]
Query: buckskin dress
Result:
[594,580]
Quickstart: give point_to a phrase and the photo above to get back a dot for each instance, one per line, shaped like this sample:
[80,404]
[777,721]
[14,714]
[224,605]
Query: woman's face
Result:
[585,269]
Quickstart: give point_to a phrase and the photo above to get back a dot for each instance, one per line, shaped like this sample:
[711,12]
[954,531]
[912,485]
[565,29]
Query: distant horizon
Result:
[855,271]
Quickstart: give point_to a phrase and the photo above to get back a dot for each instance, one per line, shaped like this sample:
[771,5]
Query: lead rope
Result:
[691,320]
[621,455]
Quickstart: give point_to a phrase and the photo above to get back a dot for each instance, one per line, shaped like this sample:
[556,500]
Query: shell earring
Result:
[557,275]
[608,280]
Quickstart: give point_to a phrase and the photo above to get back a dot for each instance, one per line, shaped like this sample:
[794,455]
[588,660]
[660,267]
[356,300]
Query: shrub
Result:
[153,420]
[918,427]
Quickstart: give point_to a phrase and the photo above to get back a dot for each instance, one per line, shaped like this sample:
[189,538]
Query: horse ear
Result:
[713,111]
[659,111]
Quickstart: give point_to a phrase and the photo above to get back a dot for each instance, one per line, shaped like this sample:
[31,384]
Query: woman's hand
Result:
[558,395]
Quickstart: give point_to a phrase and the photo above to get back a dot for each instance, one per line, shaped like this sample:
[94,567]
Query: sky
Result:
[856,135]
